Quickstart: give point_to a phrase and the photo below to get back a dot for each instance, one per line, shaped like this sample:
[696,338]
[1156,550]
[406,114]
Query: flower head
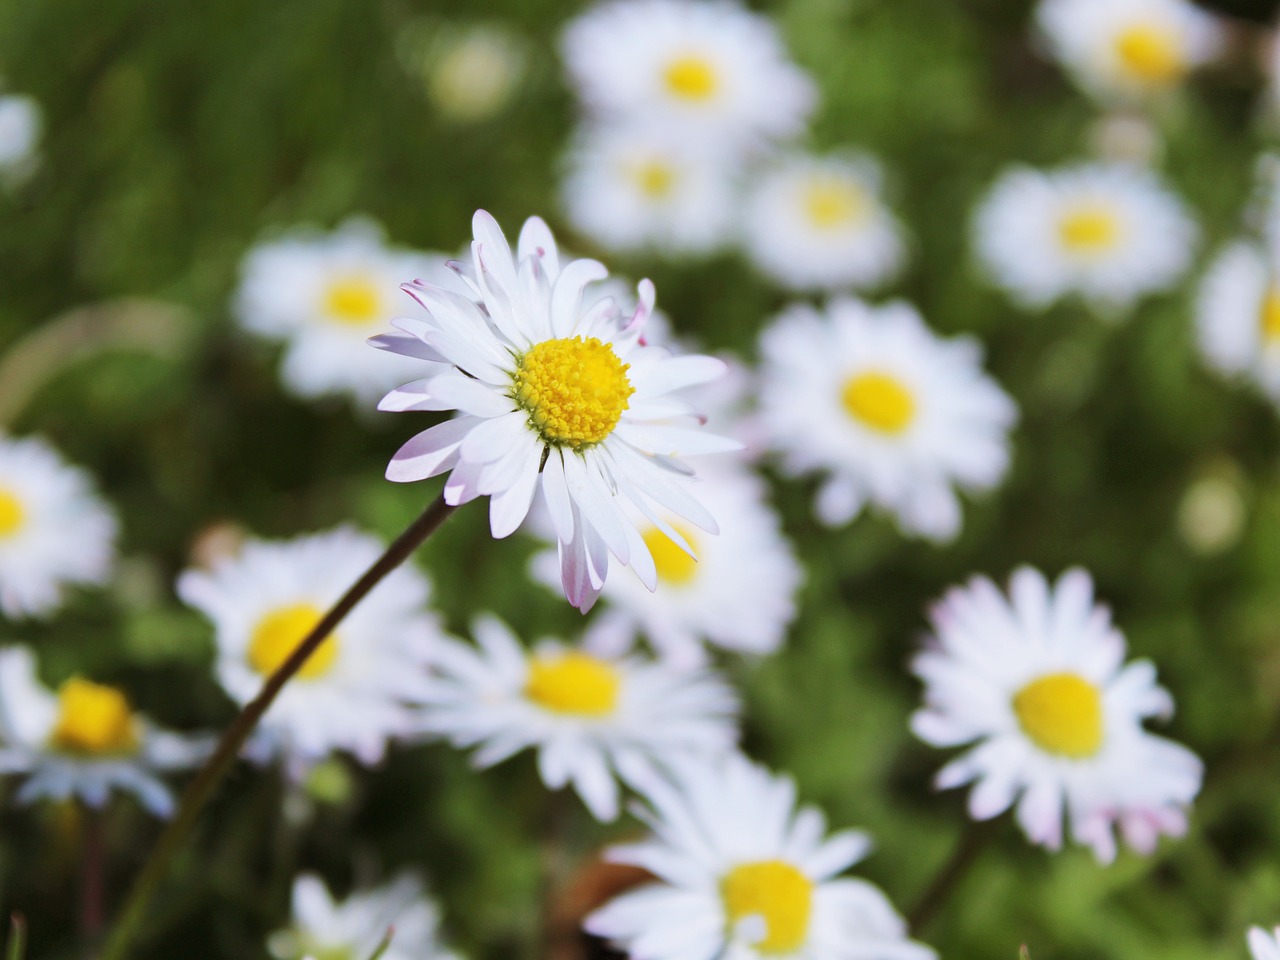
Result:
[20,124]
[1238,316]
[1263,945]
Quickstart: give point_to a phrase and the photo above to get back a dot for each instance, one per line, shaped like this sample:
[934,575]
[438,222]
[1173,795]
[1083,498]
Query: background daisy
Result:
[1238,316]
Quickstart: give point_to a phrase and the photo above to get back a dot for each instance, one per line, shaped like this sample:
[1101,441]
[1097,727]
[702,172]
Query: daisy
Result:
[594,712]
[556,393]
[892,414]
[475,71]
[355,927]
[353,693]
[1109,232]
[55,531]
[1125,50]
[713,71]
[639,186]
[744,873]
[323,296]
[20,125]
[1238,316]
[84,741]
[1038,682]
[1263,945]
[819,223]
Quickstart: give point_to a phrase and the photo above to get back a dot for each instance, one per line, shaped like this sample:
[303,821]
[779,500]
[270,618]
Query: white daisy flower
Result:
[819,223]
[714,71]
[85,741]
[324,295]
[353,693]
[1125,50]
[640,186]
[1039,682]
[1263,945]
[355,927]
[55,531]
[892,414]
[1109,232]
[1238,316]
[556,393]
[744,873]
[593,712]
[20,124]
[475,71]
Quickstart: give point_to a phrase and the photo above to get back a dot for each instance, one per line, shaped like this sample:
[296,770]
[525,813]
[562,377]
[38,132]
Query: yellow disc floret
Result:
[94,720]
[1062,713]
[655,178]
[354,301]
[879,401]
[674,565]
[574,683]
[12,514]
[1092,229]
[575,390]
[691,78]
[831,202]
[1269,322]
[1151,54]
[777,893]
[278,634]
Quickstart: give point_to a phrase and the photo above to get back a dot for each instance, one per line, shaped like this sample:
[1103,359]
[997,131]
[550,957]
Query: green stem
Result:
[228,749]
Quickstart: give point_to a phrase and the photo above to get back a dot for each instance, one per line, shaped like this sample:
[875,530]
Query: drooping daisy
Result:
[594,712]
[819,223]
[20,125]
[55,531]
[324,295]
[1263,945]
[84,741]
[1109,232]
[556,393]
[713,71]
[353,693]
[323,927]
[745,873]
[1238,316]
[1038,682]
[891,414]
[1128,49]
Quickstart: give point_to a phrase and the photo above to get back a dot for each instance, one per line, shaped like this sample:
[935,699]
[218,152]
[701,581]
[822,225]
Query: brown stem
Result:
[952,871]
[93,865]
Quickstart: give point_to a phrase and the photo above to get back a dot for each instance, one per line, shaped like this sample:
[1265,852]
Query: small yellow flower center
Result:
[674,565]
[1151,53]
[1062,713]
[354,301]
[1269,322]
[574,389]
[1089,230]
[12,514]
[573,683]
[655,179]
[831,202]
[880,401]
[278,634]
[777,893]
[94,720]
[691,78]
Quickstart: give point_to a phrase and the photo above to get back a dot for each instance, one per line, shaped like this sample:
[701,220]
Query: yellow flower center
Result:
[354,301]
[574,389]
[691,78]
[278,634]
[674,565]
[573,683]
[1269,322]
[778,894]
[879,401]
[1151,53]
[1090,229]
[12,514]
[655,179]
[1062,713]
[94,720]
[831,202]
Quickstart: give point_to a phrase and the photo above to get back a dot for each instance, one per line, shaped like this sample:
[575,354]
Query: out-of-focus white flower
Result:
[892,414]
[1128,49]
[473,72]
[1263,945]
[819,223]
[55,530]
[555,392]
[1238,317]
[1211,515]
[20,125]
[1038,682]
[353,693]
[1111,233]
[85,741]
[595,713]
[713,71]
[744,873]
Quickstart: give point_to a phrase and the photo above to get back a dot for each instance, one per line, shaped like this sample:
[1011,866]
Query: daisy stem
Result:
[954,869]
[93,865]
[202,788]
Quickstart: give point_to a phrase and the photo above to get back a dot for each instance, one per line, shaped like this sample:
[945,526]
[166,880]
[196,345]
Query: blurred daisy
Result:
[745,873]
[713,71]
[354,928]
[323,295]
[20,125]
[352,694]
[1263,945]
[1111,233]
[818,223]
[1238,317]
[1128,49]
[640,187]
[474,72]
[1039,682]
[594,712]
[555,393]
[892,414]
[55,531]
[84,741]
